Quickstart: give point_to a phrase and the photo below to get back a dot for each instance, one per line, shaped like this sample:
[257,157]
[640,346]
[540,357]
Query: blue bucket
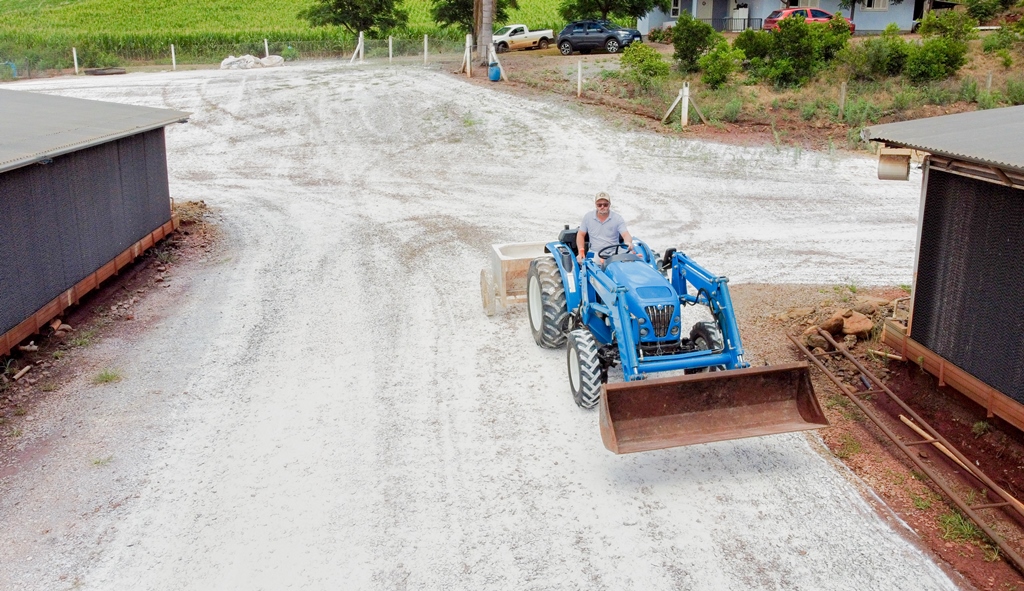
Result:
[494,72]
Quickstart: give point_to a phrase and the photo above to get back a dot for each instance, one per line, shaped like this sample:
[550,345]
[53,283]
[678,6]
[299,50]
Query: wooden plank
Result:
[55,307]
[992,400]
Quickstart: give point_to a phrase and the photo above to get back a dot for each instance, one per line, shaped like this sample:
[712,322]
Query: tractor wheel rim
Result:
[536,306]
[574,370]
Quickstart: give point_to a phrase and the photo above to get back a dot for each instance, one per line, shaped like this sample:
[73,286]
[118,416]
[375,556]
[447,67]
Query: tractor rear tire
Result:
[706,337]
[584,368]
[545,303]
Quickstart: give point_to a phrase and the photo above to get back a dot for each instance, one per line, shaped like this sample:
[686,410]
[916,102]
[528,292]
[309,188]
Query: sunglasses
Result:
[604,204]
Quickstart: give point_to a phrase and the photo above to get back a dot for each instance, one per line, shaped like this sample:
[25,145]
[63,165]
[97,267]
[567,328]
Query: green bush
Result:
[754,44]
[692,39]
[987,100]
[936,58]
[719,63]
[877,57]
[832,38]
[983,10]
[1005,58]
[861,111]
[732,110]
[1015,92]
[643,65]
[952,25]
[969,90]
[1004,38]
[795,43]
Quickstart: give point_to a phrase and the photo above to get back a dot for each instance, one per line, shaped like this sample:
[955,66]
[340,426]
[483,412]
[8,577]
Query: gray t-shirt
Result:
[602,234]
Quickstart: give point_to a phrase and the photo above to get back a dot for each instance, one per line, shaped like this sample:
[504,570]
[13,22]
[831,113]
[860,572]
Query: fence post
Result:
[684,107]
[266,49]
[579,78]
[362,47]
[988,83]
[842,100]
[390,48]
[469,55]
[174,59]
[74,54]
[424,50]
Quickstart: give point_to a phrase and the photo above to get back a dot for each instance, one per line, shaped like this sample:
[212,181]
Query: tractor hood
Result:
[650,297]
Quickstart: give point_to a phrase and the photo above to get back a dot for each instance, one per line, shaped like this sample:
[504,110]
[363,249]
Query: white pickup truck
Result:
[520,37]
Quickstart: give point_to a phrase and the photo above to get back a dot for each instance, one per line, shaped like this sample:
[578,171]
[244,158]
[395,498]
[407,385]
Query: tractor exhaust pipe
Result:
[701,408]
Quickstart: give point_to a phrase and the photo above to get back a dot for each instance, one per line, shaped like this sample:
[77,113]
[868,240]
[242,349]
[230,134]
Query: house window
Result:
[879,5]
[675,9]
[807,3]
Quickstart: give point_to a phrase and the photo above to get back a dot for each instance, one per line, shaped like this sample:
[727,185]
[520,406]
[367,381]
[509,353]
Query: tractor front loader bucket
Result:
[701,408]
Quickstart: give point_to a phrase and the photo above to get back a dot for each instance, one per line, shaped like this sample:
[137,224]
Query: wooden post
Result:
[74,55]
[579,78]
[672,107]
[390,48]
[684,106]
[988,83]
[174,59]
[842,100]
[266,48]
[469,55]
[425,49]
[362,47]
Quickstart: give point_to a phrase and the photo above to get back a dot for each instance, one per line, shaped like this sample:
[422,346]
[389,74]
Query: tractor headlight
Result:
[643,332]
[675,330]
[642,320]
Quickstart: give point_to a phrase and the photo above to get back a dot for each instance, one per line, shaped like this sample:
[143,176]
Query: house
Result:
[731,15]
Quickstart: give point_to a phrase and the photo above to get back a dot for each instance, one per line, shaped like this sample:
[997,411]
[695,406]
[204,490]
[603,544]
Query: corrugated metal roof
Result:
[994,136]
[34,126]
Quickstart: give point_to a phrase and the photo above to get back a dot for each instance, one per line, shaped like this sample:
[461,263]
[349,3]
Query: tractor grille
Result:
[660,319]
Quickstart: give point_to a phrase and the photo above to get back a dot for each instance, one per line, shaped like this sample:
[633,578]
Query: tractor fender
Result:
[570,271]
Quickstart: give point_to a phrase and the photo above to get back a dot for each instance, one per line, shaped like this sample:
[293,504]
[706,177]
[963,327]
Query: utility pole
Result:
[486,35]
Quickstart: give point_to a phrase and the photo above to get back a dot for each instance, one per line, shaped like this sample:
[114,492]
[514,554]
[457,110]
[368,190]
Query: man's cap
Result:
[604,196]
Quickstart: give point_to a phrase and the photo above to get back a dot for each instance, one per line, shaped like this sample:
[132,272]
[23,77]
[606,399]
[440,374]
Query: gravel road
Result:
[324,405]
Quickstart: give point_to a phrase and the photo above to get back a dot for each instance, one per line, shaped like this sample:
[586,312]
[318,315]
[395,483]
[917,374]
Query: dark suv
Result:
[585,36]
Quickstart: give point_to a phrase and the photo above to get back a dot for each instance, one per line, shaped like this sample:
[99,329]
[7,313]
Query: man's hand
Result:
[579,258]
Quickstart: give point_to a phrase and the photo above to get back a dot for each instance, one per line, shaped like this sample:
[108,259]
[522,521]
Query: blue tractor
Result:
[625,310]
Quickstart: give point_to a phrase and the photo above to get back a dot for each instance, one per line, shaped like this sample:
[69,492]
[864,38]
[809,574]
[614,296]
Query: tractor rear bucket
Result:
[701,408]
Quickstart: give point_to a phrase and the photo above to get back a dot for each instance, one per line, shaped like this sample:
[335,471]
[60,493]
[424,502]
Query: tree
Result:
[572,10]
[459,13]
[376,17]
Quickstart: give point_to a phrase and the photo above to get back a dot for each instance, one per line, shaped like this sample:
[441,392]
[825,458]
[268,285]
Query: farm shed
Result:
[83,191]
[966,323]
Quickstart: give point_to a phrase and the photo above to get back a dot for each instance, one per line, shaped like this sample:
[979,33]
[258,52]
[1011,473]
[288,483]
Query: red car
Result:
[811,15]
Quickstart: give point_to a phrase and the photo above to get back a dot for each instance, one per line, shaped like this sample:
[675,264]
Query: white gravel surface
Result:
[324,405]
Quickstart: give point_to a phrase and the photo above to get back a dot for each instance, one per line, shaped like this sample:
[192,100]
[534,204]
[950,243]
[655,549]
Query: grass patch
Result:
[958,528]
[848,446]
[980,428]
[107,376]
[84,339]
[102,461]
[920,502]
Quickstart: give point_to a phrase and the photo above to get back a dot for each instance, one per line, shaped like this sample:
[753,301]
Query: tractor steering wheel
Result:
[612,250]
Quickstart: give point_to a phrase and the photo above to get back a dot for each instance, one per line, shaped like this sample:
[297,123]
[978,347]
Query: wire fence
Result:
[35,63]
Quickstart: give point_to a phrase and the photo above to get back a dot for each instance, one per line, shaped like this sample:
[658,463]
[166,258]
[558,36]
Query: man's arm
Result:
[580,244]
[627,238]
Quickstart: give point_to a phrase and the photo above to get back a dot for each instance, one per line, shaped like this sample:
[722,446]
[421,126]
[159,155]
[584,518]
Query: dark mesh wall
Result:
[969,302]
[60,222]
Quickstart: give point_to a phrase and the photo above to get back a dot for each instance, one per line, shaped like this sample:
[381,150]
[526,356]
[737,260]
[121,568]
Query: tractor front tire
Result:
[545,303]
[706,337]
[584,368]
